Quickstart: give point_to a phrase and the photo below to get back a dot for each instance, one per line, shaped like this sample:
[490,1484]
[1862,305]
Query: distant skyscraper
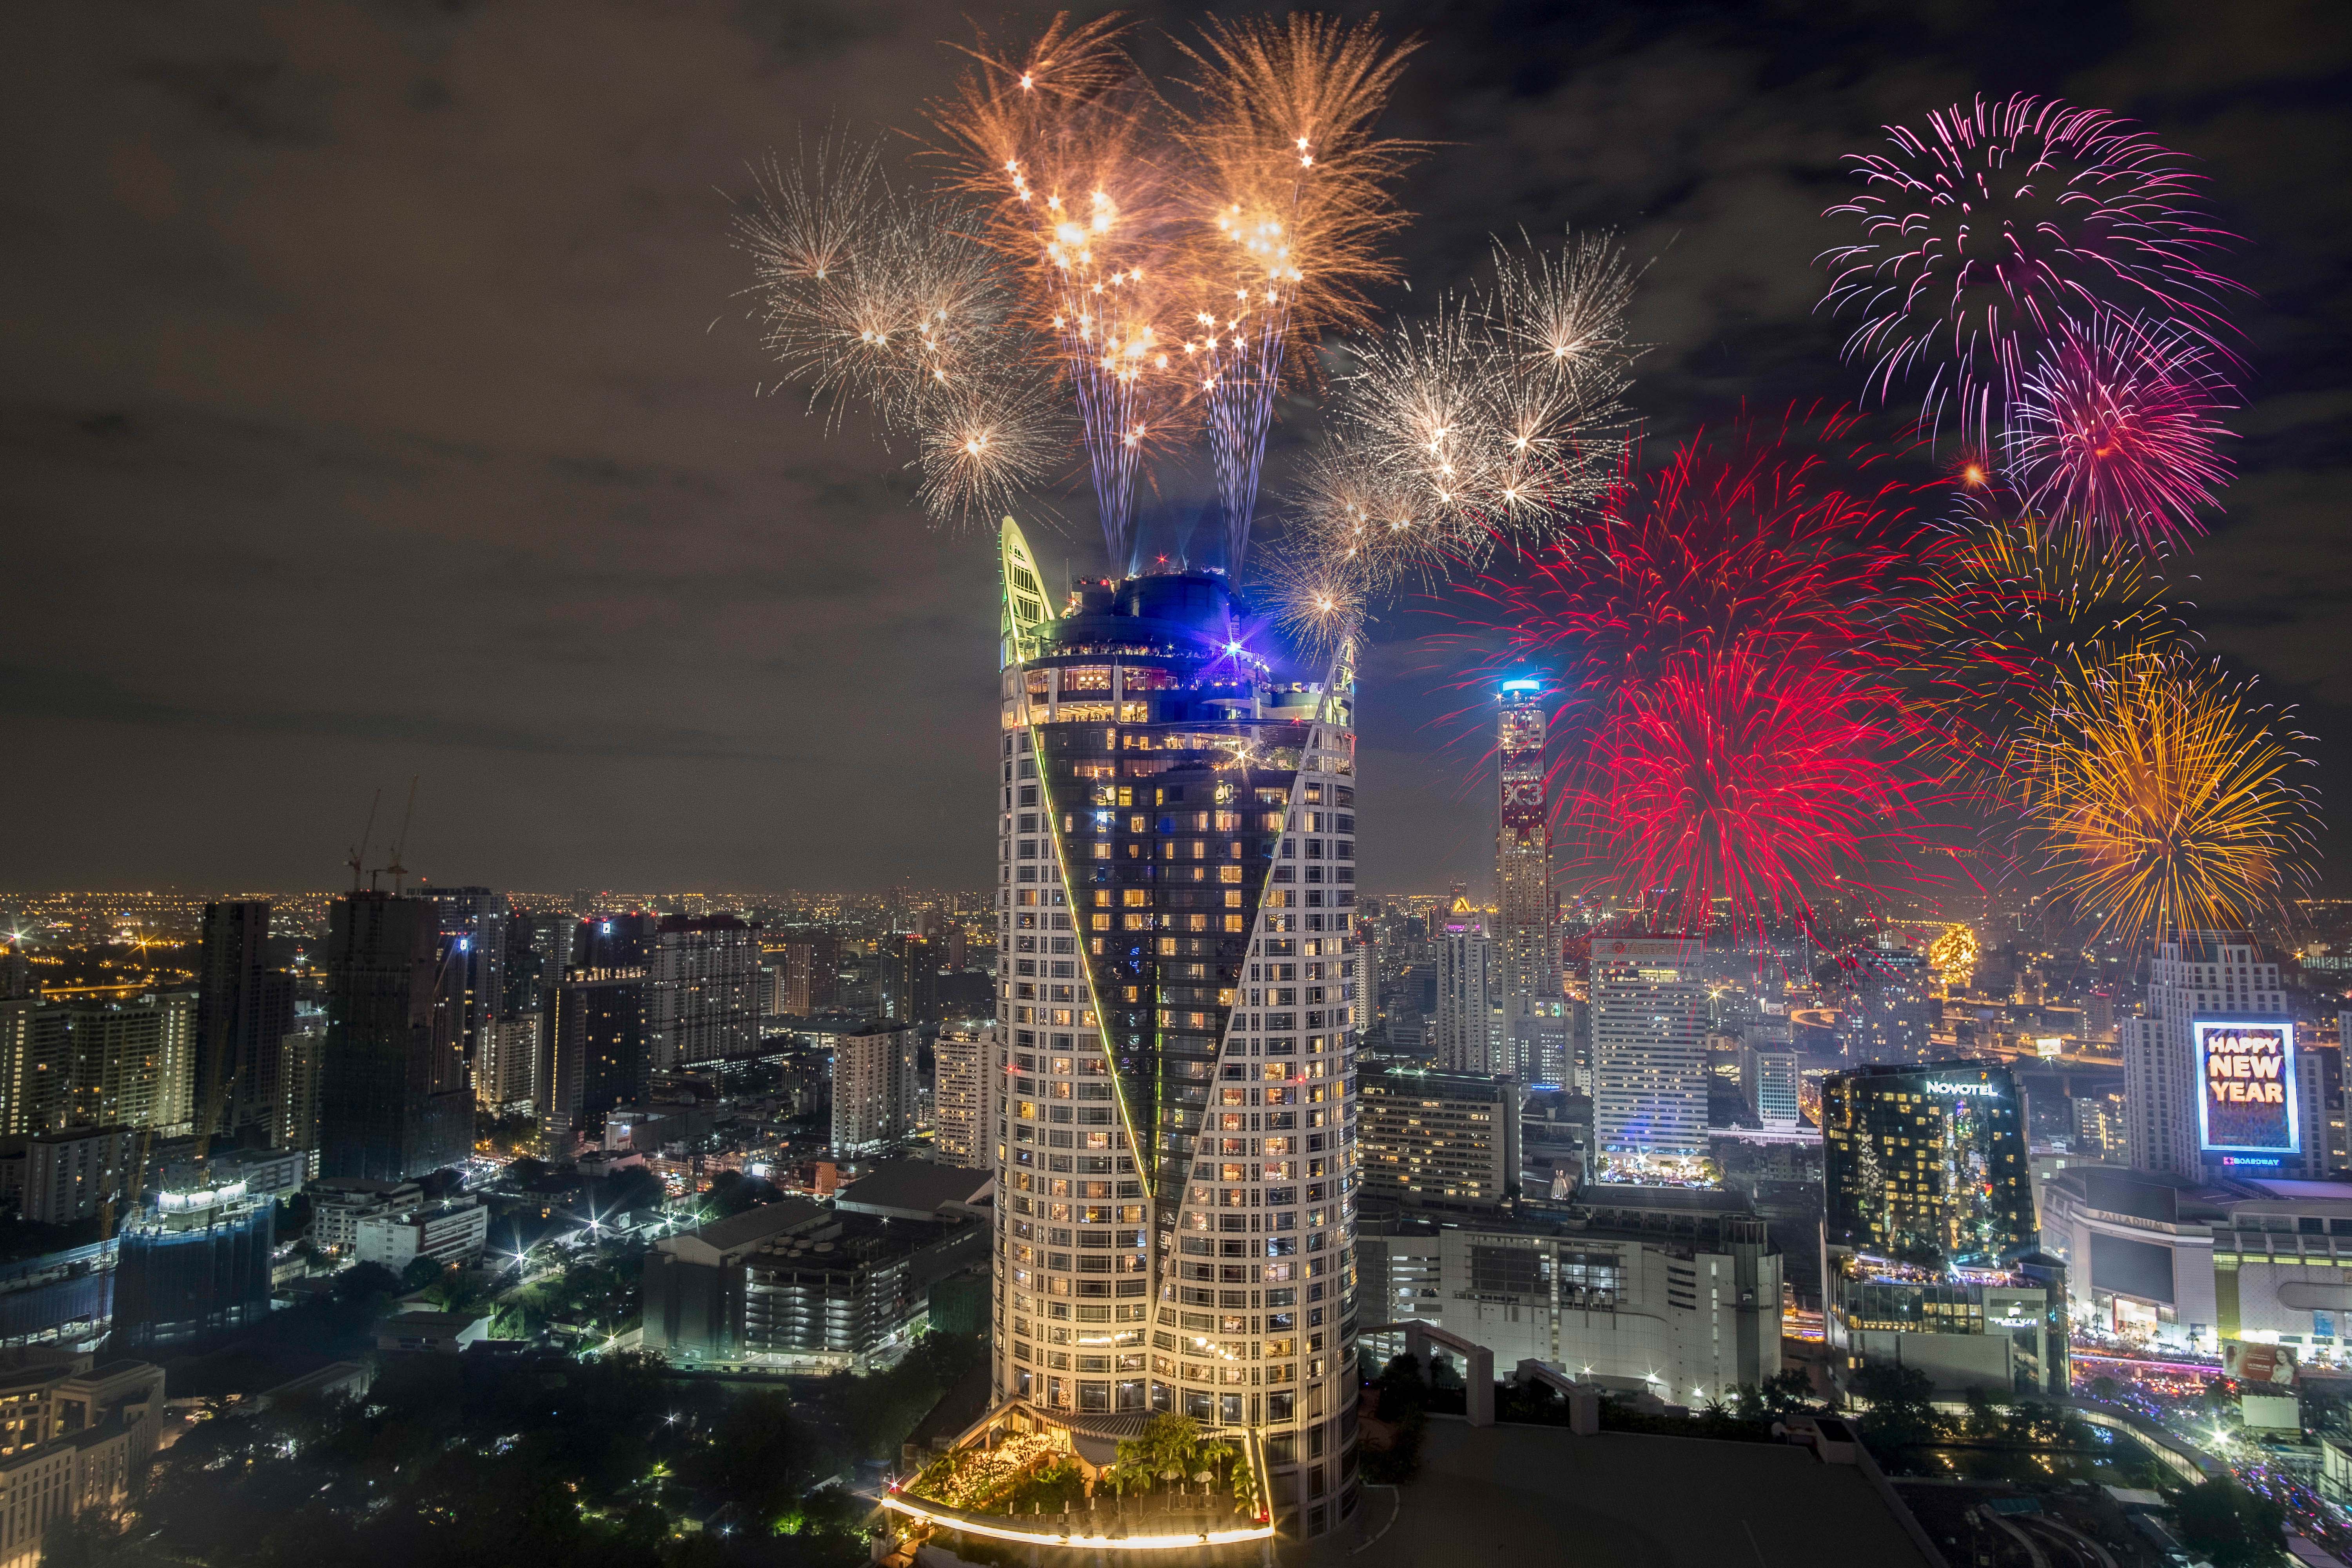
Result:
[393,1096]
[960,1097]
[1767,1083]
[299,1055]
[874,1087]
[1527,912]
[702,990]
[909,979]
[473,961]
[1649,1052]
[1471,1033]
[245,1008]
[2214,974]
[595,1050]
[1177,991]
[812,974]
[1926,1163]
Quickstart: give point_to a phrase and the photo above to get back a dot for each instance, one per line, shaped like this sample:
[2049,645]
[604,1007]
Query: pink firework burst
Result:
[1984,233]
[2114,429]
[1766,781]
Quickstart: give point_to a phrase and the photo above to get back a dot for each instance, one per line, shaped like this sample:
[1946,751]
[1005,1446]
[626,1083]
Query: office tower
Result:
[812,974]
[2196,974]
[1438,1140]
[473,923]
[1526,927]
[907,979]
[1471,1035]
[393,1098]
[99,1063]
[702,990]
[1648,1012]
[1891,1012]
[1767,1083]
[1176,1012]
[243,1008]
[1927,1164]
[960,1099]
[874,1088]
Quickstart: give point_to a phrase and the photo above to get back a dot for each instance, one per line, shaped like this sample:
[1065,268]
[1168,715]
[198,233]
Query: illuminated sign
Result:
[2247,1101]
[1981,1090]
[1523,686]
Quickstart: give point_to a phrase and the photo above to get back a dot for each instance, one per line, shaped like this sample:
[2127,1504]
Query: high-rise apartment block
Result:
[244,1009]
[874,1087]
[960,1097]
[95,1062]
[702,990]
[2195,973]
[1177,991]
[907,979]
[1473,1032]
[1649,1023]
[1437,1140]
[473,923]
[394,1097]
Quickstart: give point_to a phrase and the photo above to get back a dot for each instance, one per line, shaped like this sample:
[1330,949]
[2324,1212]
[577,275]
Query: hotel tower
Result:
[1173,1135]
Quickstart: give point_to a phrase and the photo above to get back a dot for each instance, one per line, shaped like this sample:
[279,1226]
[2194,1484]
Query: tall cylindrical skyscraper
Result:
[1526,922]
[1173,1061]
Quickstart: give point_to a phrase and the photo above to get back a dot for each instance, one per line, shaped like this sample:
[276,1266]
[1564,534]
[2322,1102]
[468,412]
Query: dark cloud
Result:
[379,400]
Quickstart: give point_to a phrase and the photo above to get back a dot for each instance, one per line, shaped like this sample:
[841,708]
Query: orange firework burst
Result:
[2162,797]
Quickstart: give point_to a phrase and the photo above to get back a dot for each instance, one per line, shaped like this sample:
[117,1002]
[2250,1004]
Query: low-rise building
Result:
[337,1203]
[452,1233]
[444,1333]
[1999,1328]
[73,1436]
[1684,1318]
[797,1286]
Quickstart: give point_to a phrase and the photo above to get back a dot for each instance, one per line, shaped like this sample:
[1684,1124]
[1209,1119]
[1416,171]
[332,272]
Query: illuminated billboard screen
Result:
[2246,1068]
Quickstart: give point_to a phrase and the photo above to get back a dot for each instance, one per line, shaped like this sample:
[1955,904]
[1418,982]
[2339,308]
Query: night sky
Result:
[379,400]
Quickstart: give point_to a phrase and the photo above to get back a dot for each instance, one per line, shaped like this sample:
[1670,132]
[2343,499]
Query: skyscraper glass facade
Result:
[1173,1060]
[1926,1164]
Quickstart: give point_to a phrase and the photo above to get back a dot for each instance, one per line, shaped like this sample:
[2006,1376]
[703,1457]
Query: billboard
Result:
[2258,1365]
[2245,1067]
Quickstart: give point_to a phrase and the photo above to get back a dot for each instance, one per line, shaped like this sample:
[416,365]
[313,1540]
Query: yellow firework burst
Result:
[2163,795]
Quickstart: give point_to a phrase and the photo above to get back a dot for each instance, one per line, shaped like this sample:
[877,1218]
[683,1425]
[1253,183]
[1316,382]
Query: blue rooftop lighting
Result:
[1523,686]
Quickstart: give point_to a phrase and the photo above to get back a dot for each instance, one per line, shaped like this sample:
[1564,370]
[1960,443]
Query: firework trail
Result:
[2115,428]
[1060,144]
[2161,797]
[1986,232]
[1299,191]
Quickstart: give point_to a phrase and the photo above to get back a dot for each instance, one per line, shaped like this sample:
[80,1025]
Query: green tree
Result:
[1901,1413]
[422,1270]
[2229,1524]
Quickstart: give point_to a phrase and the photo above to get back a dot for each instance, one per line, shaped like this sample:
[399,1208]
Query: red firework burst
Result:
[2114,429]
[1762,780]
[1796,535]
[1986,231]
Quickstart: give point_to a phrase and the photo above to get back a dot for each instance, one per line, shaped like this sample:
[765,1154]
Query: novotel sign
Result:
[1980,1091]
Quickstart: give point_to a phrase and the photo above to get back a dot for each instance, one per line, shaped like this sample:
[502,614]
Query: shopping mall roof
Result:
[1540,1497]
[916,1189]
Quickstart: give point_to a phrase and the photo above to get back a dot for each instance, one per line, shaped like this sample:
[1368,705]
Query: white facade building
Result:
[1649,1051]
[874,1088]
[452,1233]
[1473,1033]
[2197,972]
